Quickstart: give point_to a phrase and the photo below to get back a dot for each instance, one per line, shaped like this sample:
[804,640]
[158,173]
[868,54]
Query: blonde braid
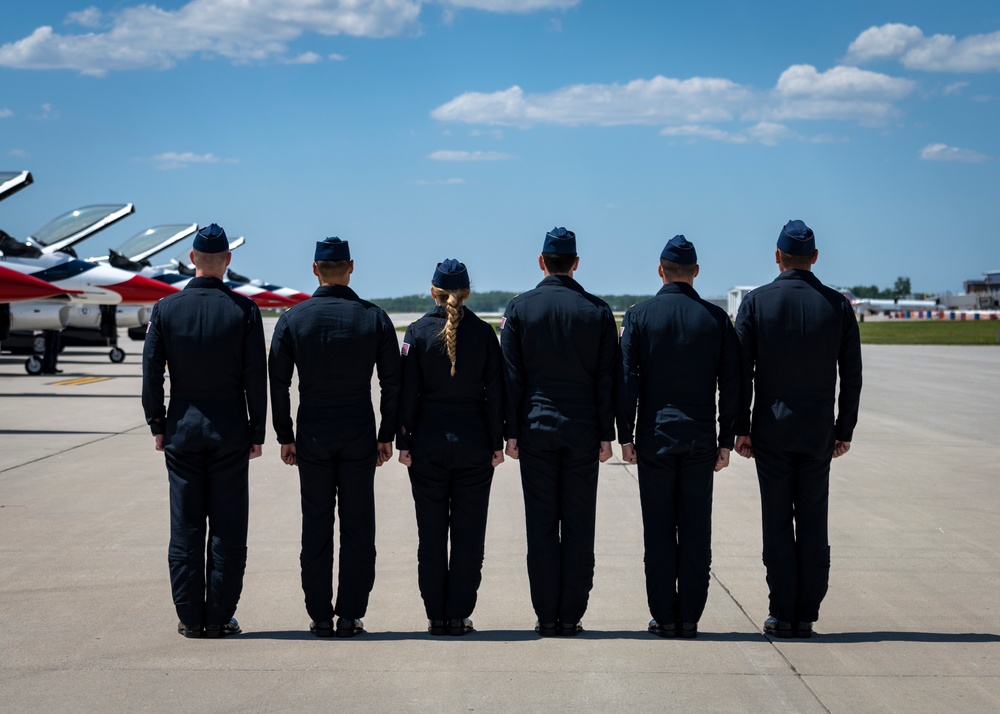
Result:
[449,333]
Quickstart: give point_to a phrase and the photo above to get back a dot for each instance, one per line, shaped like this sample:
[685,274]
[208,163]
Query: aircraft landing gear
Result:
[116,355]
[33,365]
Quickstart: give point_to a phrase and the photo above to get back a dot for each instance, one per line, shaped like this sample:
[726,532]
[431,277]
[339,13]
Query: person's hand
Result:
[721,459]
[256,450]
[605,453]
[384,452]
[404,458]
[744,447]
[497,458]
[840,448]
[158,442]
[288,454]
[628,454]
[511,449]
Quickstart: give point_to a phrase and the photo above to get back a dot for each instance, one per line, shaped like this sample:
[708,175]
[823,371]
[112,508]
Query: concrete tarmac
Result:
[911,622]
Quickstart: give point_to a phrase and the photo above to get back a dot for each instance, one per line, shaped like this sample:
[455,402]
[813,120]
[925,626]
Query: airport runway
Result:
[911,622]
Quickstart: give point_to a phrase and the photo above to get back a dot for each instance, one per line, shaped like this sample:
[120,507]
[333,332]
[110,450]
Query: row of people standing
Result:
[549,388]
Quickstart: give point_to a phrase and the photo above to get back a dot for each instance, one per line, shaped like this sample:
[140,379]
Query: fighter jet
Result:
[885,305]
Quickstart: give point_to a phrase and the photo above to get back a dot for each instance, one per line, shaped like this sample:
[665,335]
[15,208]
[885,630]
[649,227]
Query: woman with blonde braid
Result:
[449,437]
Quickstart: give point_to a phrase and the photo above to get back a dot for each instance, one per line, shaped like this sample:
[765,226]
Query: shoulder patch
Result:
[405,349]
[503,322]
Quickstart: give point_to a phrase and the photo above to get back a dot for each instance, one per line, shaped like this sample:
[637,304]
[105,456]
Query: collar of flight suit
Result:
[206,282]
[340,291]
[794,274]
[564,280]
[684,288]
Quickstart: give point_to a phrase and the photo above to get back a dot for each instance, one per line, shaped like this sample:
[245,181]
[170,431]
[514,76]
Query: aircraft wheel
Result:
[33,365]
[116,355]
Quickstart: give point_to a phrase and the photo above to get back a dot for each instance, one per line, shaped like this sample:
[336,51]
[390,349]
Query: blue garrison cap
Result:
[450,275]
[211,239]
[680,250]
[332,249]
[797,238]
[560,241]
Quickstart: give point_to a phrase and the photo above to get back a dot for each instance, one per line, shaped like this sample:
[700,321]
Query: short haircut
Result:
[796,262]
[677,271]
[333,268]
[210,261]
[558,263]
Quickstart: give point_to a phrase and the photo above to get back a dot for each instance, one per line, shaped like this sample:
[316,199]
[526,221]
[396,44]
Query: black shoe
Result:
[192,632]
[438,627]
[779,628]
[230,628]
[804,630]
[547,629]
[570,629]
[460,626]
[687,630]
[52,371]
[323,628]
[668,630]
[347,627]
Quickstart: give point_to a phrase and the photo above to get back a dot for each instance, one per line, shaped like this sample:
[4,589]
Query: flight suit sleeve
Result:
[280,366]
[746,333]
[255,376]
[409,391]
[154,362]
[729,384]
[493,391]
[513,372]
[606,377]
[387,363]
[849,364]
[627,374]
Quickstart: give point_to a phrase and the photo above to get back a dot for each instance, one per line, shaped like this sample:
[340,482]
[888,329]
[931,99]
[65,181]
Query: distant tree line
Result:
[901,289]
[488,301]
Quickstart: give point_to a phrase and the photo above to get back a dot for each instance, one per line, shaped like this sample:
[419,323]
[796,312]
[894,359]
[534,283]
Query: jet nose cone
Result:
[15,286]
[139,290]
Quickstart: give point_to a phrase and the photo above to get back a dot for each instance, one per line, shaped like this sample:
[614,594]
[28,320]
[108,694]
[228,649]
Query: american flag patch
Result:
[503,321]
[406,349]
[621,331]
[148,325]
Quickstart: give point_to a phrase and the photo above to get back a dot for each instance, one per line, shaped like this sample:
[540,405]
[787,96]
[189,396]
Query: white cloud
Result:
[336,57]
[180,160]
[660,100]
[5,112]
[511,5]
[304,58]
[954,88]
[91,17]
[766,133]
[938,53]
[144,36]
[19,153]
[943,152]
[147,37]
[469,156]
[695,107]
[845,93]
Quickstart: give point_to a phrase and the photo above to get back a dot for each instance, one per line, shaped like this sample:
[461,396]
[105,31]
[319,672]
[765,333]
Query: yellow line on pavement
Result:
[80,380]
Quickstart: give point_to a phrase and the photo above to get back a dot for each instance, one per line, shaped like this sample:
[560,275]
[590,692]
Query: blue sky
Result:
[420,130]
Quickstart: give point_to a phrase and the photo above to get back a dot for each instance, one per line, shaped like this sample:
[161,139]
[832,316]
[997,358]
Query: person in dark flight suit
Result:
[334,340]
[795,335]
[450,437]
[677,349]
[212,340]
[559,348]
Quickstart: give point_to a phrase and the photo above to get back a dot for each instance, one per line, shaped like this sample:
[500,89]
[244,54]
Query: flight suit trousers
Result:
[794,498]
[675,492]
[560,508]
[347,473]
[208,489]
[455,499]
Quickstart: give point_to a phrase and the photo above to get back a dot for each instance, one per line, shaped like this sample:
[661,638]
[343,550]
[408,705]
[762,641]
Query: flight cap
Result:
[332,249]
[680,250]
[797,238]
[560,241]
[211,239]
[450,275]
